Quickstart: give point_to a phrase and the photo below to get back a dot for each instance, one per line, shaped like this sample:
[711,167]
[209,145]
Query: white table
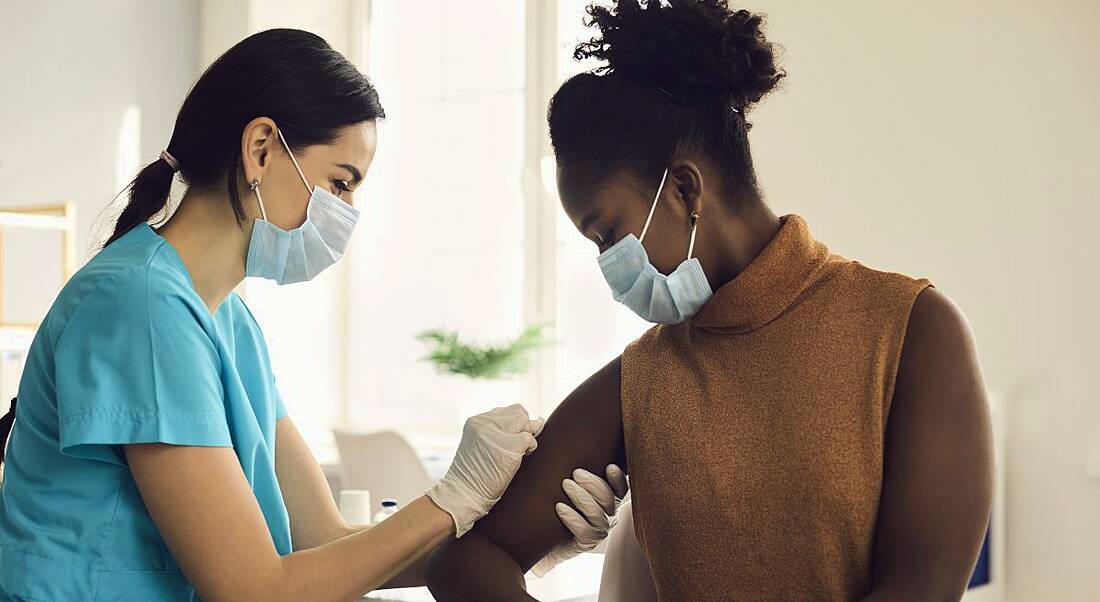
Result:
[577,580]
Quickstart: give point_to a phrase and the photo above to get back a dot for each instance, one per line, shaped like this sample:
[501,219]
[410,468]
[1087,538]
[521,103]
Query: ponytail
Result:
[148,195]
[6,422]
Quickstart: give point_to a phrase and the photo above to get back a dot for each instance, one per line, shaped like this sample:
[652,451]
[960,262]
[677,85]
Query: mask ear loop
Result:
[653,208]
[694,227]
[300,174]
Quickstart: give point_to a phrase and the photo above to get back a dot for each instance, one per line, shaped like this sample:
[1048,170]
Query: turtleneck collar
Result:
[769,284]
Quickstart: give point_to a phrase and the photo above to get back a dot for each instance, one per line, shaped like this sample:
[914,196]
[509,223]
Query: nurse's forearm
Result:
[362,562]
[412,576]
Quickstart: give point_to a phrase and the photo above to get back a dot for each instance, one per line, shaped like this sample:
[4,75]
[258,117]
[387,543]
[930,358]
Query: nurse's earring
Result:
[254,186]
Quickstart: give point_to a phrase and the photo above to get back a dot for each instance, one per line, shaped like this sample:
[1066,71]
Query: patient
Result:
[798,426]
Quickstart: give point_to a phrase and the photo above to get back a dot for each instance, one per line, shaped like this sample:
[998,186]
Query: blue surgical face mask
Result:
[302,253]
[652,295]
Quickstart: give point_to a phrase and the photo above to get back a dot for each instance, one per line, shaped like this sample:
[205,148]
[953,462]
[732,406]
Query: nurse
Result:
[151,456]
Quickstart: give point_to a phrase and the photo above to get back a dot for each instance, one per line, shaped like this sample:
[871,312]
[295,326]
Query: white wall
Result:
[958,141]
[70,73]
[88,94]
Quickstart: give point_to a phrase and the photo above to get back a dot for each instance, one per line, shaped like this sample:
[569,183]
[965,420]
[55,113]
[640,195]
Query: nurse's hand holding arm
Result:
[492,448]
[315,519]
[204,509]
[590,518]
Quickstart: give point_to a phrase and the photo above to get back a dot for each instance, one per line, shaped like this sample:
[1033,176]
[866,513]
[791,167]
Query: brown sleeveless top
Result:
[754,431]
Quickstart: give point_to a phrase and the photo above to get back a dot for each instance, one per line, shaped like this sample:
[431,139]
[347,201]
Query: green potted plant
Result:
[484,363]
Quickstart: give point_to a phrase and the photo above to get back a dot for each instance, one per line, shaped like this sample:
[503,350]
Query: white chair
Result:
[383,463]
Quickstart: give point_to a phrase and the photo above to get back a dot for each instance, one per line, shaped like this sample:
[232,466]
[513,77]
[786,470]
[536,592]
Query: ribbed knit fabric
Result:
[754,431]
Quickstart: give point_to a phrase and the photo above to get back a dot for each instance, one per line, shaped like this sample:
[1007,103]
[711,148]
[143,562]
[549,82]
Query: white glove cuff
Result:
[548,562]
[456,501]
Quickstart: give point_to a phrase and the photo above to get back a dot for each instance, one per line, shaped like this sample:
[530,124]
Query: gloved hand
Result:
[598,500]
[492,448]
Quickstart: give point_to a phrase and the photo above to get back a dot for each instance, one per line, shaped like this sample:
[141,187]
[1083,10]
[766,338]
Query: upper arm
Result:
[585,431]
[204,509]
[938,473]
[314,516]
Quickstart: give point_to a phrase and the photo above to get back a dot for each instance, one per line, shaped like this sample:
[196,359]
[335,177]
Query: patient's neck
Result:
[729,242]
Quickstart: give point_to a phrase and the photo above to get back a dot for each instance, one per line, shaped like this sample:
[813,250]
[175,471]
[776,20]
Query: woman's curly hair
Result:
[677,76]
[698,50]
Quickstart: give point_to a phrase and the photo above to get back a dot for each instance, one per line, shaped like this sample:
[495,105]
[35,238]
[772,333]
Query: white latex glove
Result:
[492,448]
[598,500]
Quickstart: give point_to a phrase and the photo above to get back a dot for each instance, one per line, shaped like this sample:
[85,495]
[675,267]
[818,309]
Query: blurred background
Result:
[956,141]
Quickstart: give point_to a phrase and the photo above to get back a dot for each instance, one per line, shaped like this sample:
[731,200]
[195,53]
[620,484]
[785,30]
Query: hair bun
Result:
[697,51]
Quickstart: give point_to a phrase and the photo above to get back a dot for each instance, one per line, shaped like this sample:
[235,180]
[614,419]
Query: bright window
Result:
[447,239]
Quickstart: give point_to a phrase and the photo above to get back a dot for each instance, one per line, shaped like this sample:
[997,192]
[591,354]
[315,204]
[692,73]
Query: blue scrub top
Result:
[128,353]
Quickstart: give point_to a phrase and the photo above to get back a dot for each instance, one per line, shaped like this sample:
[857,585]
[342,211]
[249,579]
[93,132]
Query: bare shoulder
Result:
[939,359]
[603,386]
[937,319]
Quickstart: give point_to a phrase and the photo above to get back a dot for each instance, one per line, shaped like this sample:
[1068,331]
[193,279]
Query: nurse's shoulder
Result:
[136,358]
[130,285]
[241,332]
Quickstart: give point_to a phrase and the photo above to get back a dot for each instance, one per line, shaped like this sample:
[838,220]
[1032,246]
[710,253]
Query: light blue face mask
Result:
[302,253]
[638,285]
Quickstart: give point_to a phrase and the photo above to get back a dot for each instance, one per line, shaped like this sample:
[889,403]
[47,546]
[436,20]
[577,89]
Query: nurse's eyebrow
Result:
[356,177]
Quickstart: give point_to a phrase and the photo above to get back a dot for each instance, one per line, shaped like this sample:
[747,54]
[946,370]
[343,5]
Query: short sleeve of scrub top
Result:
[134,365]
[128,353]
[280,408]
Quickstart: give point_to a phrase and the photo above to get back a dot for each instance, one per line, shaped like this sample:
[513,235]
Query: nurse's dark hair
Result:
[677,77]
[292,76]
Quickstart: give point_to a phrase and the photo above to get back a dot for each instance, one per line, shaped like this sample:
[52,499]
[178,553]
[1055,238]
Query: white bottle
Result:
[355,506]
[389,508]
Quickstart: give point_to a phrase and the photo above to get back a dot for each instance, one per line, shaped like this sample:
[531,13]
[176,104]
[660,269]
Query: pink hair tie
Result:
[170,160]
